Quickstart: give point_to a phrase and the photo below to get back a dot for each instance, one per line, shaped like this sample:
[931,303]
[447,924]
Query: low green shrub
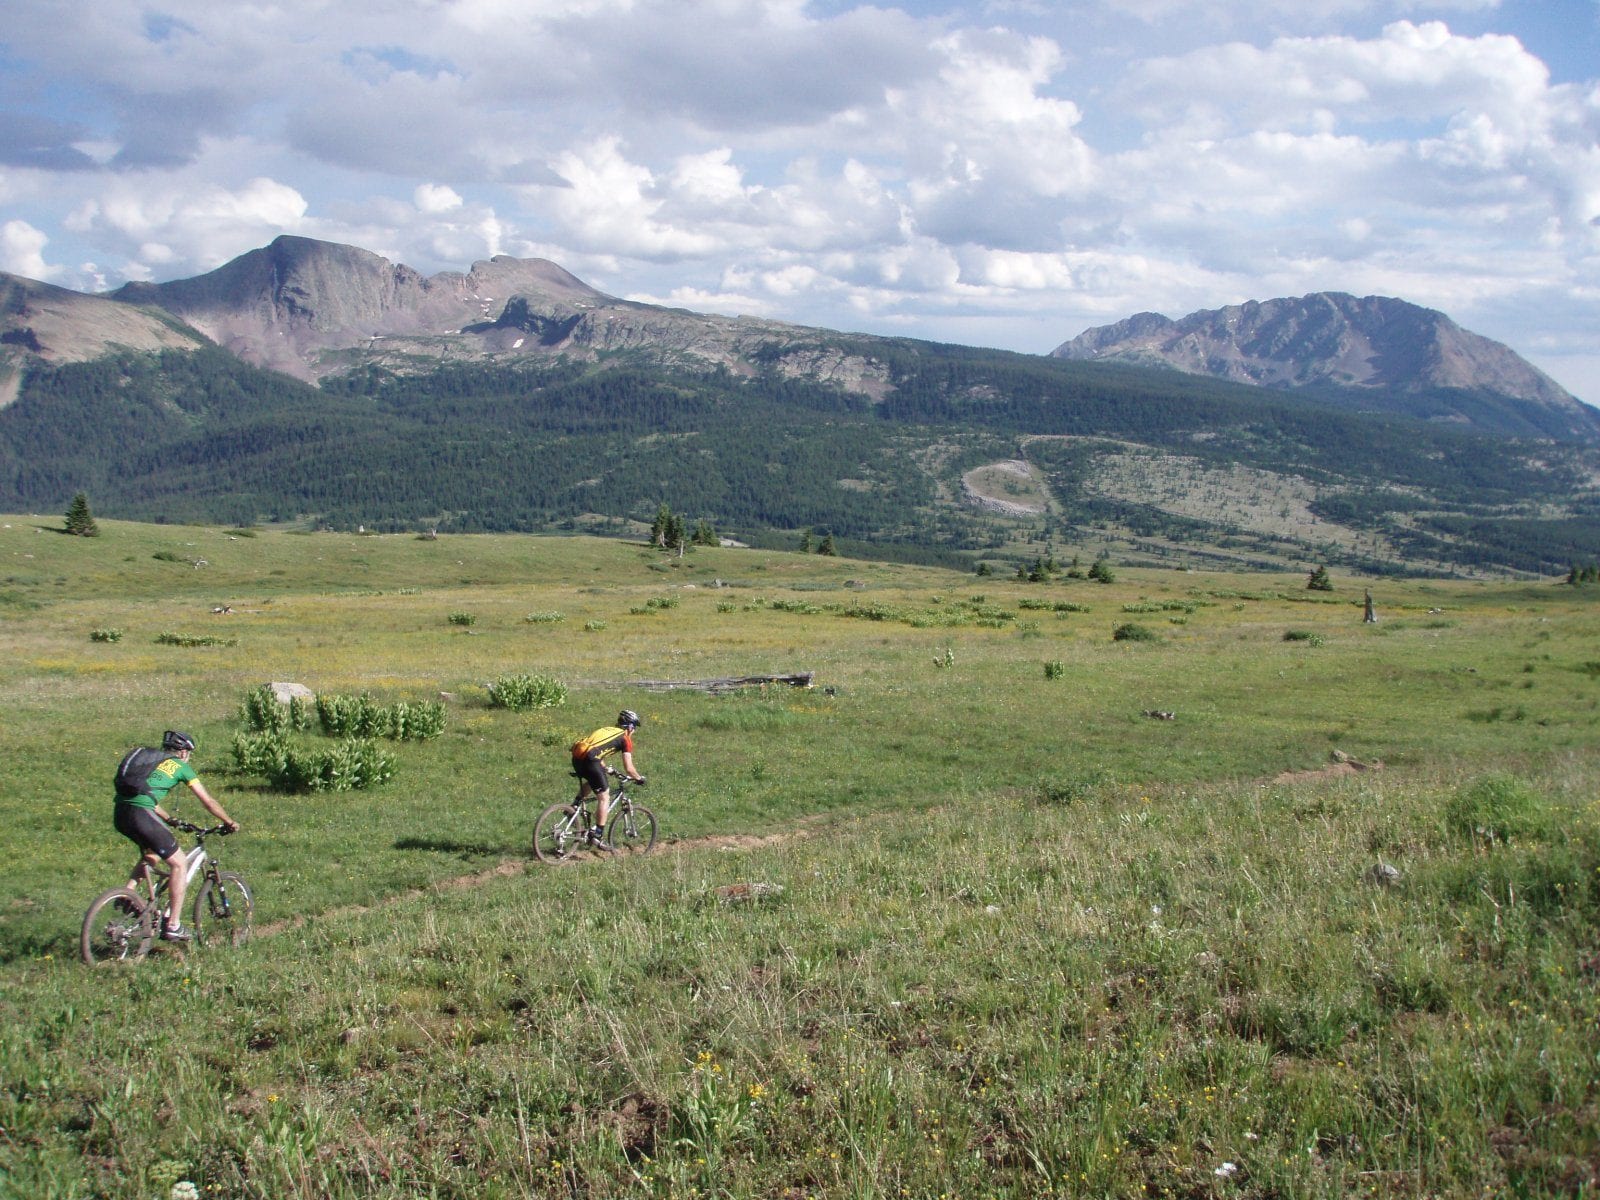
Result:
[1496,808]
[1304,635]
[261,753]
[544,618]
[363,717]
[1055,670]
[1132,631]
[462,618]
[521,692]
[263,712]
[1075,790]
[353,764]
[105,635]
[193,639]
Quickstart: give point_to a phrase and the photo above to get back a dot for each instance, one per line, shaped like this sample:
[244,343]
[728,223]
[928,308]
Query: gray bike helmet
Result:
[629,719]
[173,740]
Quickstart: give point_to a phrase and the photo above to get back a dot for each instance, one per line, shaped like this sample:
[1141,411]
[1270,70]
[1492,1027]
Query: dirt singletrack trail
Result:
[510,867]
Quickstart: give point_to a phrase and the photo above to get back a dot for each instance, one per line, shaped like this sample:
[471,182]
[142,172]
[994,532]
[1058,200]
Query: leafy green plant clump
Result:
[463,618]
[363,717]
[1304,635]
[1132,631]
[169,638]
[263,712]
[544,618]
[353,764]
[105,635]
[522,692]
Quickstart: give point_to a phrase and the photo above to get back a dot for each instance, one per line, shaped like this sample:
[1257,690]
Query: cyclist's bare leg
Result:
[142,870]
[177,882]
[602,809]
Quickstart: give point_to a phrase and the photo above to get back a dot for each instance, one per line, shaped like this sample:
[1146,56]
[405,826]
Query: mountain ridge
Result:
[316,310]
[1330,338]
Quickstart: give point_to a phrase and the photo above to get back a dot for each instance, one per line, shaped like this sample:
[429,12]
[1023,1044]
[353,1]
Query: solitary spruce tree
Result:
[80,521]
[1318,581]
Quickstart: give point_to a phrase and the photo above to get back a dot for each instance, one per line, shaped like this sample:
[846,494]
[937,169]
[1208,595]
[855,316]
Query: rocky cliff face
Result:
[1323,338]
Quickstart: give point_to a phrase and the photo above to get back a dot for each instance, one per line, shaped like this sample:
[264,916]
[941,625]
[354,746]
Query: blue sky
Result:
[1003,173]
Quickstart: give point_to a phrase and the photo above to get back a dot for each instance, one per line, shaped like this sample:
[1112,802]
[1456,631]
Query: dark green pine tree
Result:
[661,526]
[1319,581]
[80,521]
[827,546]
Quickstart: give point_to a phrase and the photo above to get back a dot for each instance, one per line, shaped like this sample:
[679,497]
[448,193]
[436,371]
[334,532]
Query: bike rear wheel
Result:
[559,834]
[632,830]
[223,910]
[120,926]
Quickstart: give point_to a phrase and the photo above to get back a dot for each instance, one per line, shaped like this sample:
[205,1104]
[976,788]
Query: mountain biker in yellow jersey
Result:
[588,764]
[144,777]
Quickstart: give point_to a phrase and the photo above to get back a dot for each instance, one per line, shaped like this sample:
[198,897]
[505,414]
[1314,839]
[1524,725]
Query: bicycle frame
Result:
[158,881]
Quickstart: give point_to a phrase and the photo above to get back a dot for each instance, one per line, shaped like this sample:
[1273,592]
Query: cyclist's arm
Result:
[215,809]
[628,767]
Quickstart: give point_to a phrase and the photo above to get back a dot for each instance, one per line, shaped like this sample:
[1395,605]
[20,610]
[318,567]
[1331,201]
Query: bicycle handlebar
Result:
[198,830]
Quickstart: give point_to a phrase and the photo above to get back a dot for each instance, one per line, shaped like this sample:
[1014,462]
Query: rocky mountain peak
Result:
[1321,338]
[295,304]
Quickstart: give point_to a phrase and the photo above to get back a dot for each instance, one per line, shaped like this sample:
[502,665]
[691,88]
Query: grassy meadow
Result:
[1002,907]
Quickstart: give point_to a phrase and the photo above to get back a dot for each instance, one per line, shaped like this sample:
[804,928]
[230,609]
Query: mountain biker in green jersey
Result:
[588,764]
[144,777]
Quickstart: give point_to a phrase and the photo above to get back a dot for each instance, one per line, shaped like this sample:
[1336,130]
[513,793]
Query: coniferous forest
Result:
[202,437]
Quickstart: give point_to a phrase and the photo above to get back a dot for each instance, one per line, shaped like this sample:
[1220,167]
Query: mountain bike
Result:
[123,923]
[561,833]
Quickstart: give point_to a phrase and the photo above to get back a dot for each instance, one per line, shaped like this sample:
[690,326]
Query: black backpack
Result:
[133,772]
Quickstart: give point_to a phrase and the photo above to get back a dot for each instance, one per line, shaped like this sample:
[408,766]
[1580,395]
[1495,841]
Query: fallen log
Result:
[802,679]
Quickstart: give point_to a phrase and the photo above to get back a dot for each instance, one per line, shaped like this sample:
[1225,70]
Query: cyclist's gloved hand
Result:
[233,826]
[640,780]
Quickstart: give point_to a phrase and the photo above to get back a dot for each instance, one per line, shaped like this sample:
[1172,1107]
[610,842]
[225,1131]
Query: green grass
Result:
[1028,941]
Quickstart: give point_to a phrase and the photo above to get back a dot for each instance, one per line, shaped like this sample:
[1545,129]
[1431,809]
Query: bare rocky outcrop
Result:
[1334,338]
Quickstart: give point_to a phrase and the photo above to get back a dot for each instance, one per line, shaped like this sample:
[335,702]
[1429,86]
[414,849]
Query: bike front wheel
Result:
[559,834]
[632,830]
[223,910]
[119,927]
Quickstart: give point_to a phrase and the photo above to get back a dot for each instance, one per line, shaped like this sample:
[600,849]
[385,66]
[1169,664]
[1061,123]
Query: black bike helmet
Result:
[629,719]
[173,740]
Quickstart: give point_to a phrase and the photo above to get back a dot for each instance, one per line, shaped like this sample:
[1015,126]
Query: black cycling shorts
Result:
[592,771]
[145,830]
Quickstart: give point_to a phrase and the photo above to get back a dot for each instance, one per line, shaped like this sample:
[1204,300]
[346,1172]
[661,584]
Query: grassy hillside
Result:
[962,919]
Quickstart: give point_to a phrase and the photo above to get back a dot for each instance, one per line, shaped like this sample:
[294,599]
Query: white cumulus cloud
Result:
[22,250]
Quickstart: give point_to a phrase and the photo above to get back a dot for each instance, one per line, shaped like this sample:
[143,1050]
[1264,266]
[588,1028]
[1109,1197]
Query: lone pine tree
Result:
[80,521]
